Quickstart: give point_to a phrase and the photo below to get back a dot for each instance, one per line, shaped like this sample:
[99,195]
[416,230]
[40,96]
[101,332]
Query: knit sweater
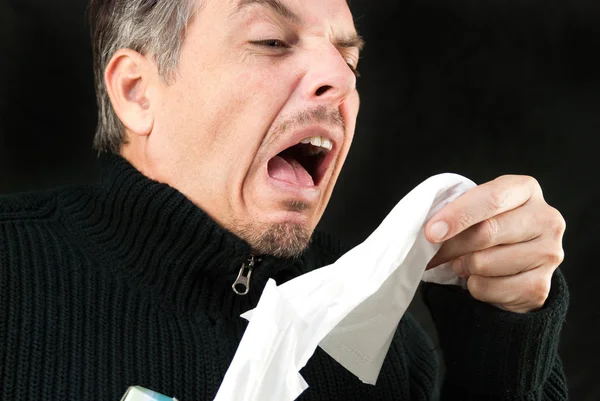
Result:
[127,282]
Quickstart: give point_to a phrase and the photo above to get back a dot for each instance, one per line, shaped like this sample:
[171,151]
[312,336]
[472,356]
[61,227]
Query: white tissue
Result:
[350,308]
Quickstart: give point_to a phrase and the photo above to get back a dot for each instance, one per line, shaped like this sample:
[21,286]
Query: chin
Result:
[284,239]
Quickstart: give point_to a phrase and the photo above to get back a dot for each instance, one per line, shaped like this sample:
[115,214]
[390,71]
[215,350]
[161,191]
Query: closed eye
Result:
[280,44]
[354,70]
[273,43]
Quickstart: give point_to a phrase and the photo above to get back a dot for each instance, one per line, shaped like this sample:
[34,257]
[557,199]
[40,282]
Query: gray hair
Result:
[149,27]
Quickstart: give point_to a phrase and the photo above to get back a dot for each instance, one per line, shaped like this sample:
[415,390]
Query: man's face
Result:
[256,79]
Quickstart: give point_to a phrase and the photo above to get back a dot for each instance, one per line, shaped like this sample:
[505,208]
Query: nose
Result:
[328,79]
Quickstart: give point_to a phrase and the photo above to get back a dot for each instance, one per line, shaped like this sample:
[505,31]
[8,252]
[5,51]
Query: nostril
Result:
[323,89]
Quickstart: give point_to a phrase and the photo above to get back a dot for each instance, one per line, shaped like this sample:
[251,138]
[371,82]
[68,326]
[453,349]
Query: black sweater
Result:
[127,282]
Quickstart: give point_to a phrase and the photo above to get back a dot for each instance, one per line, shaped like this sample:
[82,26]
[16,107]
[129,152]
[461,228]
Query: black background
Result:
[479,88]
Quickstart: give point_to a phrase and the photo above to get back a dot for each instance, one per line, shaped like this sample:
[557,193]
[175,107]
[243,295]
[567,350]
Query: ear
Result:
[126,77]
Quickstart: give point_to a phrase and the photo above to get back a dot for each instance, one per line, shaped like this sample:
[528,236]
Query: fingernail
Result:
[438,231]
[457,266]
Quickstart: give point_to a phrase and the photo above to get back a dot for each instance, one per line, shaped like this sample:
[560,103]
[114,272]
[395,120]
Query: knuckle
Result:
[476,287]
[476,264]
[465,220]
[539,288]
[558,225]
[531,181]
[554,223]
[499,197]
[491,229]
[556,257]
[528,181]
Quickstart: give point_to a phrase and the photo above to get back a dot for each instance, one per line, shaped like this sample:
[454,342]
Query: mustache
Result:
[317,115]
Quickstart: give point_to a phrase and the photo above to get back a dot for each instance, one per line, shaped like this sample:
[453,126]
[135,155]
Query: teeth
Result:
[315,141]
[319,142]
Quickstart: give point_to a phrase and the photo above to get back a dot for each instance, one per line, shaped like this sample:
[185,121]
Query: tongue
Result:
[289,170]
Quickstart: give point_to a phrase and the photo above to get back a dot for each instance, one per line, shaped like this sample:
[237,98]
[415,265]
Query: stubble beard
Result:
[282,240]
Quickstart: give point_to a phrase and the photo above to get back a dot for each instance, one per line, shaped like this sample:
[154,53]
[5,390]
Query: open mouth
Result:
[303,164]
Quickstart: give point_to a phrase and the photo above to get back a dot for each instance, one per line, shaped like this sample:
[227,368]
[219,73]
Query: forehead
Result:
[335,13]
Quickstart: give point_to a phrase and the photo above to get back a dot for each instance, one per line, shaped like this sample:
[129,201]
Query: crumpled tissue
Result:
[350,308]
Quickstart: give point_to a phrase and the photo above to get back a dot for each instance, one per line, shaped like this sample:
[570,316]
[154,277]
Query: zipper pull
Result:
[241,286]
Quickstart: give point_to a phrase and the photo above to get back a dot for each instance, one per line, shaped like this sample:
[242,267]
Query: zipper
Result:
[241,285]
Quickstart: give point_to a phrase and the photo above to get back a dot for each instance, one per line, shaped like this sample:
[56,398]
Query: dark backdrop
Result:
[480,88]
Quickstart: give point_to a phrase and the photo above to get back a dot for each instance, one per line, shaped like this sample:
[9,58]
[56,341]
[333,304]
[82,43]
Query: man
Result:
[223,127]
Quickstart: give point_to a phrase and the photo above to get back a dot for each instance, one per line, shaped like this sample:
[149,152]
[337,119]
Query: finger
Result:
[517,225]
[508,260]
[481,203]
[524,292]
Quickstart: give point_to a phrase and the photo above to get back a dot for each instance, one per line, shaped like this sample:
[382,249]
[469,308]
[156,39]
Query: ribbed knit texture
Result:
[127,283]
[511,353]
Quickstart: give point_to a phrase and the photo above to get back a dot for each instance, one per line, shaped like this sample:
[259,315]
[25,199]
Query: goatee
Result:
[282,240]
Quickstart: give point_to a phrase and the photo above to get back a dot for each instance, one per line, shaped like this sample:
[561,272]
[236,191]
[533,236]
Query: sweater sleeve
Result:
[492,354]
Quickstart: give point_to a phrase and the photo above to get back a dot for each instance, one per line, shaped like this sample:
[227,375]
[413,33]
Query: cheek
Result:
[255,101]
[222,112]
[262,88]
[349,112]
[350,108]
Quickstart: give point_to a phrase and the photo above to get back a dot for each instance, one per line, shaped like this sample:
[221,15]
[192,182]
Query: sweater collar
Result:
[158,240]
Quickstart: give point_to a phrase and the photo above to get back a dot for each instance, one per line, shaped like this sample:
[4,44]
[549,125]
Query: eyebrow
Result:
[275,5]
[349,41]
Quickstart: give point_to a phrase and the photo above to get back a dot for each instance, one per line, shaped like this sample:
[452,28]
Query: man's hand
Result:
[505,238]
